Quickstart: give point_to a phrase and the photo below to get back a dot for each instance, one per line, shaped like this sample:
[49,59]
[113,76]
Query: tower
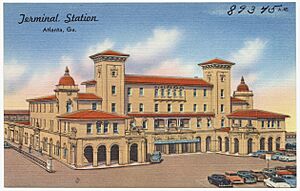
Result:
[218,73]
[243,92]
[109,73]
[66,91]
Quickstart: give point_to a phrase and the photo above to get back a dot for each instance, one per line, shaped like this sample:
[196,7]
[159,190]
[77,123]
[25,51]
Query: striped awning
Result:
[160,142]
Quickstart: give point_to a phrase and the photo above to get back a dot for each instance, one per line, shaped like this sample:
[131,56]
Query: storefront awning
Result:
[160,142]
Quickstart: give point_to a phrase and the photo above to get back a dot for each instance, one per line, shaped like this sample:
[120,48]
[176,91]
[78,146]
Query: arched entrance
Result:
[236,145]
[88,154]
[277,143]
[101,154]
[134,153]
[198,144]
[114,154]
[226,144]
[172,148]
[220,143]
[208,141]
[262,144]
[250,143]
[270,144]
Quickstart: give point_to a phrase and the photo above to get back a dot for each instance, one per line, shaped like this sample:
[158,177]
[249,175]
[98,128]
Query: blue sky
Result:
[157,36]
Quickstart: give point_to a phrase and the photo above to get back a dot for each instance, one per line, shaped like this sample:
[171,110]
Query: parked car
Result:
[234,177]
[277,155]
[287,158]
[285,172]
[156,157]
[290,179]
[263,156]
[291,167]
[259,175]
[6,145]
[219,180]
[257,153]
[269,172]
[276,182]
[247,177]
[277,168]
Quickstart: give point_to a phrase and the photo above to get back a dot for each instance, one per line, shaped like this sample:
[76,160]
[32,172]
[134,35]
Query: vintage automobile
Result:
[292,168]
[6,145]
[155,157]
[285,172]
[259,175]
[277,155]
[269,172]
[277,168]
[257,153]
[287,158]
[290,179]
[276,182]
[234,177]
[263,156]
[246,176]
[219,180]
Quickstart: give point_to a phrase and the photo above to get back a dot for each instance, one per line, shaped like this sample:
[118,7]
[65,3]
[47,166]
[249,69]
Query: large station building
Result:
[122,118]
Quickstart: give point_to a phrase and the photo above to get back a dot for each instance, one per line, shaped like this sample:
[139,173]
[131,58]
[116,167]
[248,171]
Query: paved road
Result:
[175,171]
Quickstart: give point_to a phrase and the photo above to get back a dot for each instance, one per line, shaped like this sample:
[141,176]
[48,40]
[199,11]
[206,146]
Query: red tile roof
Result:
[16,112]
[92,115]
[171,114]
[235,100]
[88,96]
[136,79]
[216,61]
[66,79]
[89,82]
[256,114]
[24,122]
[109,53]
[42,99]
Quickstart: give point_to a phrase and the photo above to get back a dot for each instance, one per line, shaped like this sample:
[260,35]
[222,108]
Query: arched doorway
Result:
[220,143]
[101,154]
[208,141]
[262,144]
[134,153]
[250,143]
[226,144]
[114,154]
[198,144]
[277,143]
[270,144]
[236,145]
[172,148]
[88,154]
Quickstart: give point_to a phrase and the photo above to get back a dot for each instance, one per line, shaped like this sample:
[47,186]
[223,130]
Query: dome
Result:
[242,87]
[66,80]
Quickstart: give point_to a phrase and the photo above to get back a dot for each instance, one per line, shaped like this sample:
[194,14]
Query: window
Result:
[115,128]
[89,128]
[141,91]
[278,124]
[159,123]
[162,92]
[113,90]
[222,122]
[26,138]
[113,107]
[169,107]
[174,92]
[262,124]
[156,92]
[195,92]
[65,152]
[222,78]
[222,93]
[199,120]
[156,107]
[69,107]
[44,108]
[195,108]
[105,128]
[129,91]
[129,107]
[181,108]
[250,122]
[272,122]
[94,106]
[180,93]
[269,124]
[184,123]
[169,92]
[240,123]
[141,107]
[98,127]
[204,92]
[208,122]
[222,108]
[51,107]
[204,107]
[144,124]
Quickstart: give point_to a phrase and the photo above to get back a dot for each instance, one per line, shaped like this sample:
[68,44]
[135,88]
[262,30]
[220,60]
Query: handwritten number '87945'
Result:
[251,9]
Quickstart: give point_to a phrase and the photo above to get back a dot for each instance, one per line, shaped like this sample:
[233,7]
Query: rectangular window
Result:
[174,92]
[272,123]
[156,107]
[89,128]
[115,128]
[69,107]
[98,127]
[26,138]
[204,92]
[262,124]
[199,120]
[250,122]
[169,92]
[240,123]
[129,107]
[113,90]
[129,91]
[113,107]
[180,93]
[169,108]
[195,92]
[162,92]
[184,123]
[208,122]
[222,122]
[141,107]
[222,108]
[141,91]
[105,128]
[222,93]
[204,107]
[94,106]
[195,108]
[159,123]
[269,123]
[156,92]
[278,124]
[181,108]
[145,124]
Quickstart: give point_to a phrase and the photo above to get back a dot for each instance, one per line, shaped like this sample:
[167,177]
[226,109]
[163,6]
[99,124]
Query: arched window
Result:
[69,106]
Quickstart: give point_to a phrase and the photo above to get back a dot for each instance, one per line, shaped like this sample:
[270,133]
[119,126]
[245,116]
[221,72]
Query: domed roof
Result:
[242,87]
[66,79]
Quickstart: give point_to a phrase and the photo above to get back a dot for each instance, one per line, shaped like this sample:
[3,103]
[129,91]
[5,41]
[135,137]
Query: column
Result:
[95,157]
[231,146]
[179,148]
[166,148]
[193,147]
[223,145]
[124,154]
[107,156]
[140,149]
[143,151]
[79,153]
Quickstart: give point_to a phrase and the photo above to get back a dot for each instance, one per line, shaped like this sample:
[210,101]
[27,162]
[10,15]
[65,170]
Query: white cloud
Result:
[99,47]
[13,70]
[249,54]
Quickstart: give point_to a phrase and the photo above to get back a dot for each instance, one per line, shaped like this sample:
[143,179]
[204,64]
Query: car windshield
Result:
[278,180]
